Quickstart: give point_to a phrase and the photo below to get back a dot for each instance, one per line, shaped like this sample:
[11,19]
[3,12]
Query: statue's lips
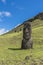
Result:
[27,33]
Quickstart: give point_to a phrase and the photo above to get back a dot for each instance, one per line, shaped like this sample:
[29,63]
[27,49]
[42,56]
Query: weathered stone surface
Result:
[27,58]
[27,40]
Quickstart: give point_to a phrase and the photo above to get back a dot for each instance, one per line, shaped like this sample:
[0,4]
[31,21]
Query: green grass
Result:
[9,43]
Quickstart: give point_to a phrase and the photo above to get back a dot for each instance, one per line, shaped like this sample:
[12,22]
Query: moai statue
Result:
[27,42]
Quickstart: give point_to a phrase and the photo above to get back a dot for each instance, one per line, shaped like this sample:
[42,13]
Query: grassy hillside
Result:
[36,21]
[10,44]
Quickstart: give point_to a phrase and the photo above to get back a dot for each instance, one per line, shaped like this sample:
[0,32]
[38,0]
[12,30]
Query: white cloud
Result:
[3,30]
[17,25]
[5,13]
[4,1]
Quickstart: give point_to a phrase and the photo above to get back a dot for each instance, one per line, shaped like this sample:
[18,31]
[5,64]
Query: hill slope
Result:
[10,45]
[36,21]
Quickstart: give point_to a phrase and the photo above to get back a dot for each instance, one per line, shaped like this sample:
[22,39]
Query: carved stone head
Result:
[27,31]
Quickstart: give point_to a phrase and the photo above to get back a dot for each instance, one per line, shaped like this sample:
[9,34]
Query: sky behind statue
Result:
[14,12]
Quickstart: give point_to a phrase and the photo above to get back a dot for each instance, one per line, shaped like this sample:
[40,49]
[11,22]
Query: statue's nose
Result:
[27,30]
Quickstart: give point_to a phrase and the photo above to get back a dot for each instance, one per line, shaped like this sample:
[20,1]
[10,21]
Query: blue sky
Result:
[15,12]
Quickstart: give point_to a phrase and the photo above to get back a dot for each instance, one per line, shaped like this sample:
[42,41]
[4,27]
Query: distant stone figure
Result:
[27,42]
